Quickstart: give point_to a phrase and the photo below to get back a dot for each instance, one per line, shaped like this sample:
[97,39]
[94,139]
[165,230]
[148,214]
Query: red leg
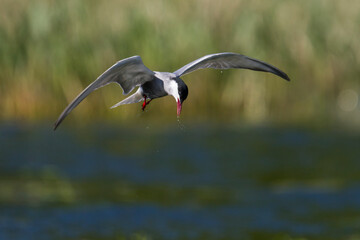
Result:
[144,103]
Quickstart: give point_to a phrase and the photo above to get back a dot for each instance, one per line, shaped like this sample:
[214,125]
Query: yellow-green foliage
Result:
[50,50]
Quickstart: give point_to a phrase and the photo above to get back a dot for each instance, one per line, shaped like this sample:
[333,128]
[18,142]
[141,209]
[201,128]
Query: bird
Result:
[131,72]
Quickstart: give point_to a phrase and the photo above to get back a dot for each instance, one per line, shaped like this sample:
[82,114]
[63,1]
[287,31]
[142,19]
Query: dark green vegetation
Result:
[51,50]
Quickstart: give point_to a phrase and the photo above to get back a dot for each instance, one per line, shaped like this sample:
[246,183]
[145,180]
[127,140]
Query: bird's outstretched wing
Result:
[128,73]
[229,60]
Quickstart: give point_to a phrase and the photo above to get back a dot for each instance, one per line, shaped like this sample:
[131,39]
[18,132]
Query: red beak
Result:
[178,107]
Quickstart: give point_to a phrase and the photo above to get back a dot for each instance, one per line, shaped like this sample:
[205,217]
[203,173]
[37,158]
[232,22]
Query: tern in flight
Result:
[131,72]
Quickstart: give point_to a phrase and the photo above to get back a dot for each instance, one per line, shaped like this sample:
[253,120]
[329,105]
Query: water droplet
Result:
[180,124]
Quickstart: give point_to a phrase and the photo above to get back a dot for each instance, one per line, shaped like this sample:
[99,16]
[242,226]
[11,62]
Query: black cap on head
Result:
[183,93]
[182,89]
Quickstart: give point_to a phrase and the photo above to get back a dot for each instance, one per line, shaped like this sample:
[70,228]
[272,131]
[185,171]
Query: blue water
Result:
[197,182]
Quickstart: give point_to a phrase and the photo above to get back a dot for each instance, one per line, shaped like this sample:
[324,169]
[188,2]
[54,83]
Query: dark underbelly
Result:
[154,89]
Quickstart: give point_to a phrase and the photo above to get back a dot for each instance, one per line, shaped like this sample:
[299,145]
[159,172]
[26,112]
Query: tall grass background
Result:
[51,50]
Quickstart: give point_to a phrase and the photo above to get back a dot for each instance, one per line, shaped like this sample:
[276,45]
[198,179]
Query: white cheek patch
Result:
[171,87]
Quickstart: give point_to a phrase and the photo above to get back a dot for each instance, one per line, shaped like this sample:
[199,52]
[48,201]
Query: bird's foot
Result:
[145,103]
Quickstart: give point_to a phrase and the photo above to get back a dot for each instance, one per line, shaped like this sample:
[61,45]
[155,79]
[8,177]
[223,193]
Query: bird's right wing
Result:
[227,61]
[128,73]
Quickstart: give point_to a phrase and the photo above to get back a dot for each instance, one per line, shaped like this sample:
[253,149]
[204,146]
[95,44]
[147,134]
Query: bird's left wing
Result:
[229,60]
[128,73]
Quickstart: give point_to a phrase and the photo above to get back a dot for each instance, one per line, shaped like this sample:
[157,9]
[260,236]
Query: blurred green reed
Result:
[50,50]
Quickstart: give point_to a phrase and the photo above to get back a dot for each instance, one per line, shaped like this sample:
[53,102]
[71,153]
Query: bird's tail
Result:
[135,98]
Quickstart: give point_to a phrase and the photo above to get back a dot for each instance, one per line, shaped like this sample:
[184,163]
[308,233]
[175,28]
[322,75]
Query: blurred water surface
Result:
[190,182]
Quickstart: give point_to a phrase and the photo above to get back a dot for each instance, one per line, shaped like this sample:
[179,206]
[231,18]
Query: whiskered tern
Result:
[131,72]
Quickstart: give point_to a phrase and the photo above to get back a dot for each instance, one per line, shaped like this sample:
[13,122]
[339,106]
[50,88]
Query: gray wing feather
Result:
[128,73]
[229,60]
[134,98]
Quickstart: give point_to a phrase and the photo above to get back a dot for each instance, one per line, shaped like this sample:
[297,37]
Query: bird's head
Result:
[183,93]
[179,91]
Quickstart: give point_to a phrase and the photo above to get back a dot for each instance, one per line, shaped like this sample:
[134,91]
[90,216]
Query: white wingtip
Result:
[116,105]
[136,97]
